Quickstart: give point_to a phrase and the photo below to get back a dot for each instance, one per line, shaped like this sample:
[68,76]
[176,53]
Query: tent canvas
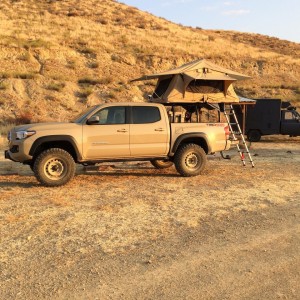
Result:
[197,81]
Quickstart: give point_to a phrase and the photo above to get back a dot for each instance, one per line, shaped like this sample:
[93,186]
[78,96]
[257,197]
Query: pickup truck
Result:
[116,132]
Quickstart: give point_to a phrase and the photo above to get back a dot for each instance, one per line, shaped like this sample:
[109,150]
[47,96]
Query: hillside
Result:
[59,56]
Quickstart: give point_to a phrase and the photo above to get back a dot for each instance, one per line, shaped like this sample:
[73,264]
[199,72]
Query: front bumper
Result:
[7,155]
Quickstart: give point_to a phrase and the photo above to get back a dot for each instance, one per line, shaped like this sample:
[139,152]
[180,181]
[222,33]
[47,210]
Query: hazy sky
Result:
[278,18]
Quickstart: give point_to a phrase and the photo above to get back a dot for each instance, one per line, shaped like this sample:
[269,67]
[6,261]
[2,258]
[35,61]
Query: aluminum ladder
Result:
[234,124]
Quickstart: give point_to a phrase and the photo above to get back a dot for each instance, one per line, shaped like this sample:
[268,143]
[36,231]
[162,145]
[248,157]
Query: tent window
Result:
[162,87]
[205,86]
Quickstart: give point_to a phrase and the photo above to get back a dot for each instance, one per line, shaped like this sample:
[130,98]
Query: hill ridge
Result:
[59,56]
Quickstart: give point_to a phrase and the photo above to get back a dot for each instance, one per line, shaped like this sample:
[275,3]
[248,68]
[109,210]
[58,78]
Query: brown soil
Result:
[129,231]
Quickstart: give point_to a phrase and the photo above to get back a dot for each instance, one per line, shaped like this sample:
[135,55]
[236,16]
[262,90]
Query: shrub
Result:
[102,21]
[106,80]
[3,86]
[4,75]
[88,52]
[25,56]
[85,92]
[88,81]
[71,64]
[23,118]
[112,95]
[55,86]
[24,75]
[35,44]
[93,65]
[115,57]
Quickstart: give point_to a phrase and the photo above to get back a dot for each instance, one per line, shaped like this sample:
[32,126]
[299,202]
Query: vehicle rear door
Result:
[149,133]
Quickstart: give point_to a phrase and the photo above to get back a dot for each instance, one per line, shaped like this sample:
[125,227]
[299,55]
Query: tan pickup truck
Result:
[117,132]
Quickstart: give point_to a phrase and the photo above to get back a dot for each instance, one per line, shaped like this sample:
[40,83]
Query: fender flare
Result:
[189,137]
[55,138]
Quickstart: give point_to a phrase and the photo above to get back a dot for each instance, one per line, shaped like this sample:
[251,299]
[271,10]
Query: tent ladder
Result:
[237,134]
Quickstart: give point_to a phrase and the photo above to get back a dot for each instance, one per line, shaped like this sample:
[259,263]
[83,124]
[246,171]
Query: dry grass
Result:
[118,207]
[57,240]
[59,40]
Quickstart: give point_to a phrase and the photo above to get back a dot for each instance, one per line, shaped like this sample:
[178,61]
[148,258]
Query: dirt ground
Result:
[129,231]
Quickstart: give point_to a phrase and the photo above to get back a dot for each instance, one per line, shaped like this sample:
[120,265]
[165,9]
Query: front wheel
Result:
[161,163]
[190,160]
[54,167]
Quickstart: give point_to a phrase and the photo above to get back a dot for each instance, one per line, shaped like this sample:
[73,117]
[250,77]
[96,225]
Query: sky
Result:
[276,18]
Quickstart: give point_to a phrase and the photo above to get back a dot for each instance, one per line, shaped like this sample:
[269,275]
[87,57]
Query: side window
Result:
[288,115]
[111,115]
[145,114]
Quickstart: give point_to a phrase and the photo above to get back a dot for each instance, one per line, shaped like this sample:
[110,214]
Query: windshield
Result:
[80,117]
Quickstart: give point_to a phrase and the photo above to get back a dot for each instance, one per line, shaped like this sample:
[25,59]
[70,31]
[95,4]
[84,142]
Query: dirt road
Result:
[128,231]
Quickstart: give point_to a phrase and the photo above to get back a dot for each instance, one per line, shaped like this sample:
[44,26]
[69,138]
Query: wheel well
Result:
[65,145]
[198,141]
[258,130]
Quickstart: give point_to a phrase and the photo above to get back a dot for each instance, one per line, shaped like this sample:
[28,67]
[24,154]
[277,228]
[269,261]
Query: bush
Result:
[4,75]
[23,118]
[93,65]
[24,57]
[88,52]
[88,81]
[55,86]
[106,80]
[71,64]
[24,75]
[102,21]
[85,92]
[35,44]
[3,86]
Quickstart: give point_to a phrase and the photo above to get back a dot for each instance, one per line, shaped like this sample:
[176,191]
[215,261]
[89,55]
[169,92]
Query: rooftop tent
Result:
[197,81]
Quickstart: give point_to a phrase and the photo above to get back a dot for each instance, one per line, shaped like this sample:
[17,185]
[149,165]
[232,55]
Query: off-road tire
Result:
[190,160]
[254,136]
[31,166]
[161,163]
[54,167]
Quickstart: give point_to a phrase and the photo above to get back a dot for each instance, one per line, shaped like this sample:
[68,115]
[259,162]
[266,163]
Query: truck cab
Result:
[290,122]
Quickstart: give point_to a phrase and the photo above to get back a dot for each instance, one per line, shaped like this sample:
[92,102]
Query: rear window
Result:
[145,114]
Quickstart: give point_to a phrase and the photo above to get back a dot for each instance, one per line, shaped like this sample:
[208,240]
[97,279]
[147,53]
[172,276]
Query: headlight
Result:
[24,134]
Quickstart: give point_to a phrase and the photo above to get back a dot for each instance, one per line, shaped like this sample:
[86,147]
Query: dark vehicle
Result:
[267,117]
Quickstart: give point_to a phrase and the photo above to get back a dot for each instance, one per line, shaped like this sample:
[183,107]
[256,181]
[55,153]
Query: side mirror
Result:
[93,120]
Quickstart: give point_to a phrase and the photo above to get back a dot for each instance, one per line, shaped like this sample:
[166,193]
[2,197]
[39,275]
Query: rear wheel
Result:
[54,167]
[161,163]
[254,136]
[190,160]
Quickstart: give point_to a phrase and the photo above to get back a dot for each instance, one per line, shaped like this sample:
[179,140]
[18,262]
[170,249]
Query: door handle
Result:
[122,130]
[159,129]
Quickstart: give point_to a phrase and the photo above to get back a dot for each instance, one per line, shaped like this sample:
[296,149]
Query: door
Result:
[149,132]
[290,123]
[108,135]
